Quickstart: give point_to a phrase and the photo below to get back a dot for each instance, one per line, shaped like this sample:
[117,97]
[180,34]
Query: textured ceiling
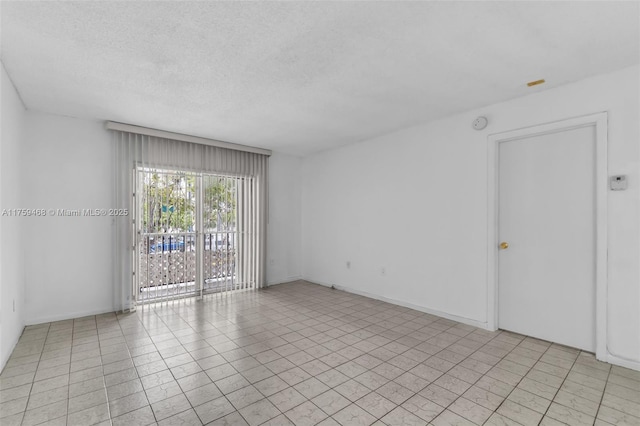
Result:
[306,76]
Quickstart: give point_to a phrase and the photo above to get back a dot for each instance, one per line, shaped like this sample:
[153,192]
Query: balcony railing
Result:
[167,262]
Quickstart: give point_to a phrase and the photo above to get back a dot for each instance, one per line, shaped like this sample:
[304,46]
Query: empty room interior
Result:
[332,213]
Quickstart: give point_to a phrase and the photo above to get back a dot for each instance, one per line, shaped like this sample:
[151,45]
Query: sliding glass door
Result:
[192,236]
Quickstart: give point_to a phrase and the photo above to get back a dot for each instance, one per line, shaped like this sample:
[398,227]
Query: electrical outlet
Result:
[383,271]
[348,264]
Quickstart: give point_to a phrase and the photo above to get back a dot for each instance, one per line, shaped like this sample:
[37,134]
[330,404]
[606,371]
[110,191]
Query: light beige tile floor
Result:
[302,354]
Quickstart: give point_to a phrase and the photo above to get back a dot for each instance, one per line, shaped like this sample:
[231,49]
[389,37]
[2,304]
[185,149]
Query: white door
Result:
[547,274]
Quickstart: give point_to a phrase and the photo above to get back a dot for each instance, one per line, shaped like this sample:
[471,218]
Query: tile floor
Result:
[302,354]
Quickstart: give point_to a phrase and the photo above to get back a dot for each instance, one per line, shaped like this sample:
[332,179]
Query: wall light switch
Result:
[618,183]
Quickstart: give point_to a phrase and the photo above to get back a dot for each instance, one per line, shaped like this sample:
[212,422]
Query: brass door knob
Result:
[504,245]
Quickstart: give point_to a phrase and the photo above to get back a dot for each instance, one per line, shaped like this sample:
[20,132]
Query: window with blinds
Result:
[197,222]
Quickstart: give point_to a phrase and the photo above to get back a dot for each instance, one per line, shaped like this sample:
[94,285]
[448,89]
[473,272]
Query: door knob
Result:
[504,245]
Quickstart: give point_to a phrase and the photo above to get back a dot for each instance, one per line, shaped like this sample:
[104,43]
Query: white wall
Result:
[67,165]
[11,238]
[415,203]
[284,231]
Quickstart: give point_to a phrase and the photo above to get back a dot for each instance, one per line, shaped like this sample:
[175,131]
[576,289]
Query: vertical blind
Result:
[134,152]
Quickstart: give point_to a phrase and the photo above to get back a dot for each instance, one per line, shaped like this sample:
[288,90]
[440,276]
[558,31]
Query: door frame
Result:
[599,121]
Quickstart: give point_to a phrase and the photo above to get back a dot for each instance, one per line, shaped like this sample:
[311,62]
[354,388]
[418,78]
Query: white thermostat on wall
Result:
[618,183]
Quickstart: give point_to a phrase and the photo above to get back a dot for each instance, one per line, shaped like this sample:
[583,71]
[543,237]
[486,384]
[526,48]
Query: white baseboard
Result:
[283,280]
[463,320]
[622,362]
[67,316]
[13,344]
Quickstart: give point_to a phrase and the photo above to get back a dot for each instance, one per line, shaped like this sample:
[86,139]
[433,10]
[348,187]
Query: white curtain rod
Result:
[112,125]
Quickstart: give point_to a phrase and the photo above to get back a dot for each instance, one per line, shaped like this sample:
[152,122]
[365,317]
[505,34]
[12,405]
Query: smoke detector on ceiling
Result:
[480,123]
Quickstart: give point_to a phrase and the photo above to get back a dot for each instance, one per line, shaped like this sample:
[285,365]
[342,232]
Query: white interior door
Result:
[547,275]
